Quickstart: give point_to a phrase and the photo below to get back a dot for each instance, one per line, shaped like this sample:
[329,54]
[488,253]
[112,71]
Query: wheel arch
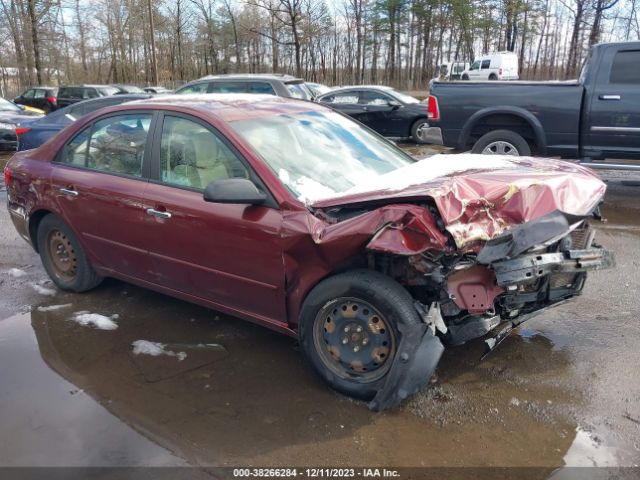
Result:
[519,118]
[34,222]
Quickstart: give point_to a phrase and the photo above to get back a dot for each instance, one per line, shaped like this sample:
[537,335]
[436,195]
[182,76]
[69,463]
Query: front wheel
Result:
[63,258]
[465,77]
[502,142]
[348,329]
[419,130]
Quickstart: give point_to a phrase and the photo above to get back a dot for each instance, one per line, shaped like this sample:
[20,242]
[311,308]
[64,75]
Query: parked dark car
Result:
[69,95]
[297,218]
[127,89]
[11,117]
[44,98]
[33,133]
[383,109]
[266,84]
[157,90]
[597,116]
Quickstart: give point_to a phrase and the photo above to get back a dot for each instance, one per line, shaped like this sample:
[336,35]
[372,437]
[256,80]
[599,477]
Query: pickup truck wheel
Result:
[464,77]
[419,130]
[502,142]
[63,258]
[348,329]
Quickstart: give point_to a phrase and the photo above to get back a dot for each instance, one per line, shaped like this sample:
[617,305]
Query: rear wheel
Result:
[502,142]
[419,130]
[63,257]
[348,329]
[465,77]
[493,76]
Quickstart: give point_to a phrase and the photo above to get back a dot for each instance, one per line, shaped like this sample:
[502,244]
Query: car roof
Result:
[253,76]
[231,107]
[86,85]
[361,87]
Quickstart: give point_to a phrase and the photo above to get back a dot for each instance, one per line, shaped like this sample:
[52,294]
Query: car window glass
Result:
[298,90]
[28,94]
[261,87]
[475,65]
[346,97]
[486,64]
[39,94]
[197,88]
[373,98]
[625,68]
[228,87]
[116,145]
[90,93]
[193,156]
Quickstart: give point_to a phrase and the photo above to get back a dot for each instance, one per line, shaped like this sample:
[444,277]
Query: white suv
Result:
[493,66]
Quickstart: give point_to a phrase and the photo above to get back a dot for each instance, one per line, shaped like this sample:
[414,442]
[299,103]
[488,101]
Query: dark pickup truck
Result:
[595,117]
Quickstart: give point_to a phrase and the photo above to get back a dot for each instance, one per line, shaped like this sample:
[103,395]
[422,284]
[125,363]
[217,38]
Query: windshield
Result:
[402,97]
[299,90]
[7,106]
[319,154]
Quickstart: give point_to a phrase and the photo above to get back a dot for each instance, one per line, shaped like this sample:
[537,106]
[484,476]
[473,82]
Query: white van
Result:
[493,66]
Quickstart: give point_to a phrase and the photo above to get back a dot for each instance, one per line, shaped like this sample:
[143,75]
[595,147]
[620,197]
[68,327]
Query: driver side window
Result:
[476,65]
[192,156]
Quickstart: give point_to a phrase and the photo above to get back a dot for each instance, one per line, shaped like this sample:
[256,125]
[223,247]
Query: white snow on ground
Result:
[144,347]
[43,290]
[51,308]
[96,320]
[16,272]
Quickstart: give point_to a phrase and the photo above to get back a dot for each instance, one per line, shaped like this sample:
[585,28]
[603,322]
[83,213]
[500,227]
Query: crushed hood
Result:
[481,196]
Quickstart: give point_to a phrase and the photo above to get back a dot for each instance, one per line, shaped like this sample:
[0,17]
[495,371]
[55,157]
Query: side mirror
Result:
[395,104]
[233,190]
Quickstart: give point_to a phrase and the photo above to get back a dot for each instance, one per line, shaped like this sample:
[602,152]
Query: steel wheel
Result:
[63,256]
[354,340]
[500,147]
[421,131]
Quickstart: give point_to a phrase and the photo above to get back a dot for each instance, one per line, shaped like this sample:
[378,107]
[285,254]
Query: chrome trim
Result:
[609,97]
[157,213]
[611,166]
[616,129]
[66,191]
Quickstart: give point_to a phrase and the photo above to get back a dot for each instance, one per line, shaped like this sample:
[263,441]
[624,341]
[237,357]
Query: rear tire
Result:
[493,77]
[502,142]
[464,77]
[348,329]
[417,130]
[63,258]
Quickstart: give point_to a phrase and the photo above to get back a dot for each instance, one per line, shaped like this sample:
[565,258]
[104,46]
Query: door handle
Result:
[158,213]
[68,191]
[609,97]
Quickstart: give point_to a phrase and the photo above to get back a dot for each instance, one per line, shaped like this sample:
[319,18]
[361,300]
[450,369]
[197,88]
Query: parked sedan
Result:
[295,217]
[42,98]
[70,94]
[33,133]
[11,116]
[383,109]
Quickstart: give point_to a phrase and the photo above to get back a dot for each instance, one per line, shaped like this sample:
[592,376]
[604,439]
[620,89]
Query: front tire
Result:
[464,77]
[63,258]
[418,131]
[502,142]
[348,329]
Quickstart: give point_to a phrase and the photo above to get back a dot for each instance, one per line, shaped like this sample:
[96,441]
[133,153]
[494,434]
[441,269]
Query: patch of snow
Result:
[145,347]
[43,290]
[16,272]
[515,402]
[50,308]
[96,320]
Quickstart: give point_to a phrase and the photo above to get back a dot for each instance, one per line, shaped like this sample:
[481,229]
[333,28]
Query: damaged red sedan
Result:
[290,215]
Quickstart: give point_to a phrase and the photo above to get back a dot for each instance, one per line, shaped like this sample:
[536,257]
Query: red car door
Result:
[99,186]
[227,254]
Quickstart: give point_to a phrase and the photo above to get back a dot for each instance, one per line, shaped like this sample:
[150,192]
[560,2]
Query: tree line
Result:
[395,42]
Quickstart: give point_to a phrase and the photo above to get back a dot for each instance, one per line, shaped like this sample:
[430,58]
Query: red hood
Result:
[480,196]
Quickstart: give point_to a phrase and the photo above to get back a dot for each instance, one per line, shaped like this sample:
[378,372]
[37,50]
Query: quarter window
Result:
[625,68]
[192,156]
[114,144]
[486,64]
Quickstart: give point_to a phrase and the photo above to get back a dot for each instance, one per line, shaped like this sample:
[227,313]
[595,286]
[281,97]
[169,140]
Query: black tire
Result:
[81,276]
[415,132]
[493,77]
[464,77]
[386,297]
[516,145]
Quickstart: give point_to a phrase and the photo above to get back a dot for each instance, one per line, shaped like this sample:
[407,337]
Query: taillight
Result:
[51,100]
[7,176]
[22,130]
[432,108]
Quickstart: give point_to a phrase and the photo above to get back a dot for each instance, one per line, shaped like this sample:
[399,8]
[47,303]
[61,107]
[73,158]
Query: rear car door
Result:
[226,254]
[99,181]
[382,112]
[27,98]
[613,121]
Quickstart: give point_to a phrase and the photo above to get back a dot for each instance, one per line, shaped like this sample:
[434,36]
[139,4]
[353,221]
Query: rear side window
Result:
[626,68]
[90,93]
[70,92]
[373,98]
[228,87]
[345,97]
[261,87]
[28,94]
[486,64]
[114,144]
[40,94]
